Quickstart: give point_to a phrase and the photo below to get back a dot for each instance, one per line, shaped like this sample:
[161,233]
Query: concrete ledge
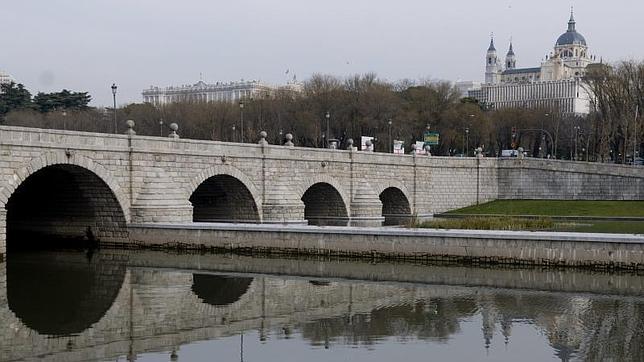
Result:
[470,246]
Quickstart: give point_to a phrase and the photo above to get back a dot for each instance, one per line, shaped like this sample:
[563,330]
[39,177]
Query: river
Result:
[120,305]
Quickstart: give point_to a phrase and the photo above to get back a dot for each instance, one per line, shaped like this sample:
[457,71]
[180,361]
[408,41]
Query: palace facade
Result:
[217,92]
[5,78]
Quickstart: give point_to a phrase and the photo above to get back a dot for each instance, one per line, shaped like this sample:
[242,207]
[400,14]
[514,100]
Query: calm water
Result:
[147,306]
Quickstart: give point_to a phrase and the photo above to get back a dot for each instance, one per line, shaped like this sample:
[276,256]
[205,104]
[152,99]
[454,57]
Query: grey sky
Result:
[86,45]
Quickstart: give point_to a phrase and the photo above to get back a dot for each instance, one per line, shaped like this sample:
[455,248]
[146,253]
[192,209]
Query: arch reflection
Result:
[219,290]
[63,293]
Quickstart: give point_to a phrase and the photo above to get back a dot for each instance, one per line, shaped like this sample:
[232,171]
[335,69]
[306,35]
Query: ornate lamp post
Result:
[328,135]
[390,146]
[241,119]
[114,97]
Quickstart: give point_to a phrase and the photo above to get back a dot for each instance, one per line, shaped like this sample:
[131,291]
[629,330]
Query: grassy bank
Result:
[490,223]
[557,208]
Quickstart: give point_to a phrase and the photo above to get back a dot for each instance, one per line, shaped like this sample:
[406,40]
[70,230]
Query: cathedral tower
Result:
[492,66]
[510,59]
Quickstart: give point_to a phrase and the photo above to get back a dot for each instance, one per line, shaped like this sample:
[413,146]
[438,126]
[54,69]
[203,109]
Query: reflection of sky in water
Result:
[526,344]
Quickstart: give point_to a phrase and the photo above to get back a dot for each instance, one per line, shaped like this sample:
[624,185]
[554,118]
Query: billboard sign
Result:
[431,138]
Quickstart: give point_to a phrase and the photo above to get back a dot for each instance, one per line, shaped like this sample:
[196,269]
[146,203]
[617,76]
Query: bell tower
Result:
[510,58]
[492,66]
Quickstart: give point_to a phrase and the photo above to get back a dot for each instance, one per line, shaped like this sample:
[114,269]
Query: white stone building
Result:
[557,84]
[217,92]
[5,78]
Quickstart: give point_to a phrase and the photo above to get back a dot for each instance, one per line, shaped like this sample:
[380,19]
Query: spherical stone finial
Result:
[130,127]
[289,140]
[479,152]
[350,144]
[174,127]
[262,138]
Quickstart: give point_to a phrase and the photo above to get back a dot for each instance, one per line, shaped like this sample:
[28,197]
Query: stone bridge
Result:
[77,184]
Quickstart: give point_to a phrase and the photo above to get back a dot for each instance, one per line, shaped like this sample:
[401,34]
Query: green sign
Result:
[431,138]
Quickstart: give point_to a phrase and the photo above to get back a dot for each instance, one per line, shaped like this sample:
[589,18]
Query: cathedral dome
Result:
[571,36]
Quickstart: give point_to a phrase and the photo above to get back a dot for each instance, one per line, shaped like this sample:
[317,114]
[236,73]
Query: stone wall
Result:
[469,246]
[562,180]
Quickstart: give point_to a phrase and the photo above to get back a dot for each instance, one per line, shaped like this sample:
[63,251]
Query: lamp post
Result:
[467,141]
[576,130]
[234,134]
[64,114]
[161,127]
[114,97]
[328,135]
[241,119]
[390,145]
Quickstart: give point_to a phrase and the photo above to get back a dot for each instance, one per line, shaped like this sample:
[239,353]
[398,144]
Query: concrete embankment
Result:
[468,246]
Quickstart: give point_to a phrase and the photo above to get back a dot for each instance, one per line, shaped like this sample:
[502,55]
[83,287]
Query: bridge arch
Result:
[60,158]
[64,196]
[325,202]
[224,193]
[382,185]
[396,208]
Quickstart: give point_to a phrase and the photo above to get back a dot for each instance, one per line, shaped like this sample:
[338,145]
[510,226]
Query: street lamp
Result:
[390,145]
[576,130]
[467,141]
[328,135]
[64,114]
[234,134]
[241,119]
[161,127]
[114,96]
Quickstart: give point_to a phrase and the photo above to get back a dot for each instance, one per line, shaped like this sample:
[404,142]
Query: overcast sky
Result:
[86,45]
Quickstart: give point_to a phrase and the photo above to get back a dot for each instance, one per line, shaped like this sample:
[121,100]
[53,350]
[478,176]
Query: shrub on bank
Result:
[489,223]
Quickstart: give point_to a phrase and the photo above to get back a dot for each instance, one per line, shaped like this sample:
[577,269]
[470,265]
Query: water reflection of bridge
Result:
[117,304]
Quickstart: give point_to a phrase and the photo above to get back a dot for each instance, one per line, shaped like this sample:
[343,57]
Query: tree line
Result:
[15,97]
[364,105]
